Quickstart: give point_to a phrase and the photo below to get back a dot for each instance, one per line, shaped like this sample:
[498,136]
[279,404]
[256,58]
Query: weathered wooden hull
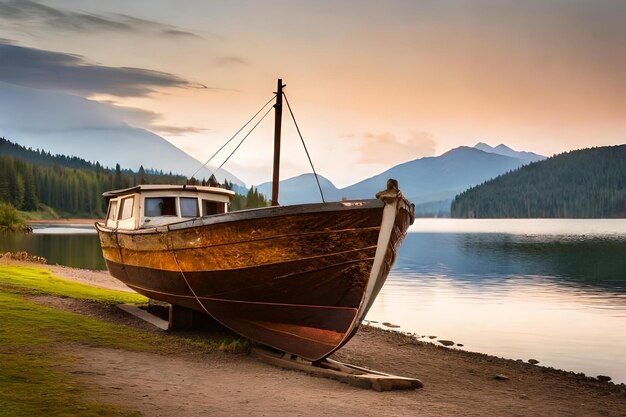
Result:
[297,278]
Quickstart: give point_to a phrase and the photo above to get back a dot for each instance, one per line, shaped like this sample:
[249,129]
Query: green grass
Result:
[43,213]
[39,280]
[25,323]
[35,339]
[32,344]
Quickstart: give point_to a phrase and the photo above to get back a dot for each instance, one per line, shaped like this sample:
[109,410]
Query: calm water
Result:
[551,290]
[72,245]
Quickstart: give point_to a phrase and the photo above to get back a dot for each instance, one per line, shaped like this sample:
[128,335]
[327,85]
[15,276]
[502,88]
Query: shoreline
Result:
[63,221]
[456,382]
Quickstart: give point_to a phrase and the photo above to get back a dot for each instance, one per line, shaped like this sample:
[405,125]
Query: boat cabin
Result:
[148,206]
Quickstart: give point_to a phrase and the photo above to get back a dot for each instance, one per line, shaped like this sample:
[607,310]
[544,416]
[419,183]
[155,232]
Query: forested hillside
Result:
[587,183]
[72,186]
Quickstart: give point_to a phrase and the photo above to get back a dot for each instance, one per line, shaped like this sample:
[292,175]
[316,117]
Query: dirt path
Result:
[456,384]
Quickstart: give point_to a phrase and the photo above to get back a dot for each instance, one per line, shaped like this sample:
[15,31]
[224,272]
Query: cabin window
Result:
[212,207]
[188,207]
[160,206]
[112,211]
[126,208]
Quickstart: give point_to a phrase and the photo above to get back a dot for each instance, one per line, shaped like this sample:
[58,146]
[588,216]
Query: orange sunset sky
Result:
[372,83]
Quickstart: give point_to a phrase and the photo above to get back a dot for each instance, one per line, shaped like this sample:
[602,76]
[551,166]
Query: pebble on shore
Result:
[446,342]
[533,361]
[603,378]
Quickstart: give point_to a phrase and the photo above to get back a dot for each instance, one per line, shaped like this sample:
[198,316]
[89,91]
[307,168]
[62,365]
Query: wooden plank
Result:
[144,315]
[342,372]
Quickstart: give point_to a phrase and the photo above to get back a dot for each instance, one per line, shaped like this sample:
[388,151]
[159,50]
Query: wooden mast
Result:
[278,113]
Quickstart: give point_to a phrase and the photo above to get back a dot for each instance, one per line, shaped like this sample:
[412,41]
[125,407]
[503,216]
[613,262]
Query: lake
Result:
[548,289]
[71,245]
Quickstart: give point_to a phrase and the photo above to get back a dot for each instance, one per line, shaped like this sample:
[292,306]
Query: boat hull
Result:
[297,278]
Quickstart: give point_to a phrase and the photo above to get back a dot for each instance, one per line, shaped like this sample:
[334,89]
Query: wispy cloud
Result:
[227,61]
[175,130]
[386,148]
[175,33]
[20,11]
[73,73]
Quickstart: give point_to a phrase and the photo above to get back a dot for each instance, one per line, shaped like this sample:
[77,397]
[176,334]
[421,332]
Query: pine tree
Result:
[118,182]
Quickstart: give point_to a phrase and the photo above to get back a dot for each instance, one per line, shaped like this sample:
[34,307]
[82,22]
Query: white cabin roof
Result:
[165,188]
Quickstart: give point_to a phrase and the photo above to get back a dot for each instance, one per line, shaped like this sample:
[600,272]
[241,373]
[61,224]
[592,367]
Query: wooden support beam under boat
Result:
[342,372]
[183,318]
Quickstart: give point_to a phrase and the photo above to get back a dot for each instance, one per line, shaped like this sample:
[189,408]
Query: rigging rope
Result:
[305,149]
[170,247]
[233,137]
[244,138]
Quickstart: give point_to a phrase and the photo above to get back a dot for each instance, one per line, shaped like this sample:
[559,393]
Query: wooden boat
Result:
[297,278]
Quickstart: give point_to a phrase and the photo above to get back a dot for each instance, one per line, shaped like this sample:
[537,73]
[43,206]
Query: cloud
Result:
[175,130]
[227,61]
[72,73]
[32,110]
[20,11]
[178,33]
[386,148]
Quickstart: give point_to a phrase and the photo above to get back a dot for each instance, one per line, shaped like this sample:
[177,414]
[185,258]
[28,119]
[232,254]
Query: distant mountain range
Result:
[302,189]
[430,183]
[71,125]
[506,151]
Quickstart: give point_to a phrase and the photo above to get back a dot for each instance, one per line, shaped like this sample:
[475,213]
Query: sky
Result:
[372,84]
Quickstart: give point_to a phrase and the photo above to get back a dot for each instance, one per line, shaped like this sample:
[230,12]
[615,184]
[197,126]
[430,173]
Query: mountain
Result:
[502,149]
[430,183]
[71,125]
[438,178]
[587,183]
[301,189]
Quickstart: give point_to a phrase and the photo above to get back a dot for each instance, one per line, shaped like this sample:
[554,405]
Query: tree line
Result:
[586,183]
[31,179]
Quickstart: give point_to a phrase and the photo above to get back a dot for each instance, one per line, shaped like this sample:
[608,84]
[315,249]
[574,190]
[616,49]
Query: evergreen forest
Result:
[34,180]
[586,183]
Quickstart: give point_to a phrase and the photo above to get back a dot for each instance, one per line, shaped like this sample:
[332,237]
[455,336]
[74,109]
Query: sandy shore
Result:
[456,382]
[64,221]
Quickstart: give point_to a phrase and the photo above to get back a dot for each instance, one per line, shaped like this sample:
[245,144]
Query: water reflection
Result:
[488,259]
[77,247]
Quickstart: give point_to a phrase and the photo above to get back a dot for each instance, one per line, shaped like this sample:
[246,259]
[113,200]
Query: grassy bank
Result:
[42,212]
[35,340]
[41,281]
